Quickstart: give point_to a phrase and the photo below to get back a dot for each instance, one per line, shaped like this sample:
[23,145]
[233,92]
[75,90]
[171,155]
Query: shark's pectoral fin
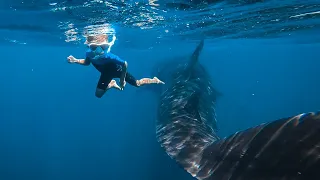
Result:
[218,93]
[284,149]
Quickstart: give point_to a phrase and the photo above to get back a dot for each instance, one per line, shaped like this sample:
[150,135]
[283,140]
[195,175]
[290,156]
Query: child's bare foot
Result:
[158,81]
[113,84]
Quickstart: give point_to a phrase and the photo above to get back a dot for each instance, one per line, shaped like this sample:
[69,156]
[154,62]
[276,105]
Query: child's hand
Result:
[71,59]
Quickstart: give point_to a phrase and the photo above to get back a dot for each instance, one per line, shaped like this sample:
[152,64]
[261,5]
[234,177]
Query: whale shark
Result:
[186,128]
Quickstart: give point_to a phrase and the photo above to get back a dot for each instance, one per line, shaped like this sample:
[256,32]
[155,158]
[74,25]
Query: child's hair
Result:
[97,38]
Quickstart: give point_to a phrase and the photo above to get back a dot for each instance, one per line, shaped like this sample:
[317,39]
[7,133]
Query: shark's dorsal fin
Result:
[194,58]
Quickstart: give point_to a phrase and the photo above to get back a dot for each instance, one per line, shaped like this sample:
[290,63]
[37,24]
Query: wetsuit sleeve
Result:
[88,57]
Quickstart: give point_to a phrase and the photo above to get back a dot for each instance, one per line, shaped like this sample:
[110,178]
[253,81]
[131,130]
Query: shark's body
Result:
[286,149]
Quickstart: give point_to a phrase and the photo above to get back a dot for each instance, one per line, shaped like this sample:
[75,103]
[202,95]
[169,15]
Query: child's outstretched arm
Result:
[72,59]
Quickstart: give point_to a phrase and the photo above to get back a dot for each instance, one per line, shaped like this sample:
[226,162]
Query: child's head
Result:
[100,39]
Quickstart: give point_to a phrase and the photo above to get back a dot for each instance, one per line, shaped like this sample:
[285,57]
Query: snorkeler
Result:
[109,65]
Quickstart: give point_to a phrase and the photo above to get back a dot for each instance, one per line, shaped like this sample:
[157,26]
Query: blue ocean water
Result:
[262,55]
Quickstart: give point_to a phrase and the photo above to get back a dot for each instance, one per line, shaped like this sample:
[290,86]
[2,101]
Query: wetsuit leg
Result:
[102,85]
[131,80]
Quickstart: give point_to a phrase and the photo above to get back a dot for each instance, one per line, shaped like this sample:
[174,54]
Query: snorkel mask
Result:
[99,44]
[97,49]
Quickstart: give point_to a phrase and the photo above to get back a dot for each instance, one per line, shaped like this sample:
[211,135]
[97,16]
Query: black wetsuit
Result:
[110,66]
